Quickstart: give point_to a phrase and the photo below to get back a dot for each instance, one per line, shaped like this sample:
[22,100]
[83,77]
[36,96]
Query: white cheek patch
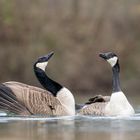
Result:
[42,65]
[112,61]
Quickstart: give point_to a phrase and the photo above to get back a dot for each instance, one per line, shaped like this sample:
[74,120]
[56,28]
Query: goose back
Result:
[97,109]
[36,100]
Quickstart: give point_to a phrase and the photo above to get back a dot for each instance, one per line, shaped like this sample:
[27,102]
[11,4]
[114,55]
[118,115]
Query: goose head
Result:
[42,61]
[110,57]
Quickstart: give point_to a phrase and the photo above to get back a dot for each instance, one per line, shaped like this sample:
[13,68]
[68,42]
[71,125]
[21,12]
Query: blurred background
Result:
[77,31]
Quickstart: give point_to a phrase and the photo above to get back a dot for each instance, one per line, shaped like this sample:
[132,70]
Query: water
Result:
[69,128]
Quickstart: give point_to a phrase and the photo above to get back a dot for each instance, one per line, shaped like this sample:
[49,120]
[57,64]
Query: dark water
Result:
[70,128]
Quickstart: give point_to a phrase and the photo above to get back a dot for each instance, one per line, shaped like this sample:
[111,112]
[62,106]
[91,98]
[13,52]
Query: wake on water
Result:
[5,117]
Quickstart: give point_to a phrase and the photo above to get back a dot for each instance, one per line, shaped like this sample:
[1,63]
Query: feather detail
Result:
[34,99]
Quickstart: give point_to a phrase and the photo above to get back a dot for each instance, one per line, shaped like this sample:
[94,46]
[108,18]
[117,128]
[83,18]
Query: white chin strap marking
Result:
[112,61]
[42,65]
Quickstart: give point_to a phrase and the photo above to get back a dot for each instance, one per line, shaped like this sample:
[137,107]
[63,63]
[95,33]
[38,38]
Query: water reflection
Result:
[70,128]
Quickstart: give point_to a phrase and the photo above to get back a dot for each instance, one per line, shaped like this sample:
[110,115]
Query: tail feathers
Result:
[9,102]
[6,94]
[98,98]
[95,99]
[6,107]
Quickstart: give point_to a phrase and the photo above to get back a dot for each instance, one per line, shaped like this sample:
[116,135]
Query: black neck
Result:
[46,82]
[116,79]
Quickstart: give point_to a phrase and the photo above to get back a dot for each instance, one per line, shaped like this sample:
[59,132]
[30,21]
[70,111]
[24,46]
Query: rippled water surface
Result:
[70,128]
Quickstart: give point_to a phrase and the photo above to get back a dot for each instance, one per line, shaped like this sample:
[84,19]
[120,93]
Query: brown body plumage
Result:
[94,109]
[95,106]
[23,99]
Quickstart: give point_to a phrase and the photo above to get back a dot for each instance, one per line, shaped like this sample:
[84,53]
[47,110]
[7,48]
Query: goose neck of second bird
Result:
[116,79]
[118,104]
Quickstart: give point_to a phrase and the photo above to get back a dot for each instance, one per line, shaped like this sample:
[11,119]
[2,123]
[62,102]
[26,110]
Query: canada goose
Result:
[23,99]
[115,105]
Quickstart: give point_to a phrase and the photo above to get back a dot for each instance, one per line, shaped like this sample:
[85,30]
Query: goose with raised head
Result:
[24,99]
[115,105]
